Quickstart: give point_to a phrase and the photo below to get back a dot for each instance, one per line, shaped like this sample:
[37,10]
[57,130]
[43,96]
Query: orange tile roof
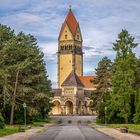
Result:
[86,81]
[71,22]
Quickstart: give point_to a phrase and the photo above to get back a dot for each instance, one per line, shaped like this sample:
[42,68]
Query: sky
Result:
[100,21]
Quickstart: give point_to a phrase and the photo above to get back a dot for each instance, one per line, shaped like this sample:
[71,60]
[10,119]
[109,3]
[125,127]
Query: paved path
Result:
[117,135]
[23,135]
[76,130]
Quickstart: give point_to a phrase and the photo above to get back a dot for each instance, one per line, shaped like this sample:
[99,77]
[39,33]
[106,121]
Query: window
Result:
[78,37]
[65,36]
[62,47]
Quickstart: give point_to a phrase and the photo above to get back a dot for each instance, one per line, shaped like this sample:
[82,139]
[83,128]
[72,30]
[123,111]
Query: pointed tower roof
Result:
[71,22]
[72,80]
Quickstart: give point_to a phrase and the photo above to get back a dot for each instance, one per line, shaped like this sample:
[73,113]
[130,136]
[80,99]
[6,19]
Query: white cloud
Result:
[100,22]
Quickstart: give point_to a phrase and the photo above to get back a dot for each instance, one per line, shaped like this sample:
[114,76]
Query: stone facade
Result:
[74,89]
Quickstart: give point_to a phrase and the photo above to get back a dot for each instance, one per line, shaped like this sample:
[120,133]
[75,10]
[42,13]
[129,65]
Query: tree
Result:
[103,86]
[6,34]
[25,75]
[137,96]
[124,77]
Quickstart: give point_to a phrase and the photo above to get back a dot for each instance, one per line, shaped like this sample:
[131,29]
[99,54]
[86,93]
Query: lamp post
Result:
[24,106]
[105,115]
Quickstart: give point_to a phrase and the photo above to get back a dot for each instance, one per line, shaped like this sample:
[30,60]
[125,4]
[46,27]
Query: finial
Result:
[69,6]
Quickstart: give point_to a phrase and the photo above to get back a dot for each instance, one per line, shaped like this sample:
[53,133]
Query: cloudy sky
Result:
[100,22]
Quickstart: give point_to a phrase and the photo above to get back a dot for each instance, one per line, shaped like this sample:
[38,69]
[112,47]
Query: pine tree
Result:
[103,82]
[137,96]
[6,34]
[25,77]
[124,77]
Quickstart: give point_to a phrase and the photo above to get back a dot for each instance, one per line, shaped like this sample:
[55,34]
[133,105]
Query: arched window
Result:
[78,37]
[66,36]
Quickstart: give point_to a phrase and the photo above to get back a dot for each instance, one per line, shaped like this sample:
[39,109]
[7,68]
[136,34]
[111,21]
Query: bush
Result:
[100,120]
[2,124]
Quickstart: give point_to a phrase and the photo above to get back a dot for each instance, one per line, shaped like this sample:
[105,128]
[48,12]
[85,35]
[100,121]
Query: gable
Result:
[78,35]
[65,34]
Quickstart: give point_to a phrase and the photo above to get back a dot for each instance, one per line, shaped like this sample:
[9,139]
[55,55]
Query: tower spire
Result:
[70,6]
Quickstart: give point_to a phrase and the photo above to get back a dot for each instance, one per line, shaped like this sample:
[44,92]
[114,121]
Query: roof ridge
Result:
[72,80]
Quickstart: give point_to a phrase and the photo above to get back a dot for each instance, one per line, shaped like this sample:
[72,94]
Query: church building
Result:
[72,95]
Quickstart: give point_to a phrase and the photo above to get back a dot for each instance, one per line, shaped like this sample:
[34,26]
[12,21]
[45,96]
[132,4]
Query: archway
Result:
[56,110]
[69,107]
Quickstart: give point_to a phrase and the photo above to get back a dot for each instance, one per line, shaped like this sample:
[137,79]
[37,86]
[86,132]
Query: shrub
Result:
[2,124]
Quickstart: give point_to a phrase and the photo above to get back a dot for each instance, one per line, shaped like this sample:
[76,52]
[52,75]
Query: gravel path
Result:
[117,135]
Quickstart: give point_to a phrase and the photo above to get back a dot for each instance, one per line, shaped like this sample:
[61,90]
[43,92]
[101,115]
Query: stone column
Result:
[63,112]
[75,110]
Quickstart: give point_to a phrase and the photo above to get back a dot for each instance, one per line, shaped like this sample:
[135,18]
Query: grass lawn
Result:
[131,127]
[39,123]
[8,130]
[15,128]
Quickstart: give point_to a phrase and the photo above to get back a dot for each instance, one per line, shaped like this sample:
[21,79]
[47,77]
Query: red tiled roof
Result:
[71,22]
[86,80]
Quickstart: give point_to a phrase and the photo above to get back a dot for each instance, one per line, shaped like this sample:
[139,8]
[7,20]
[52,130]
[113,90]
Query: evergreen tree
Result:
[6,34]
[25,77]
[124,78]
[103,87]
[137,97]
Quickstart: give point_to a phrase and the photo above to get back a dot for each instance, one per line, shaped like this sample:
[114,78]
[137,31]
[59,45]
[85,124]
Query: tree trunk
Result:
[126,120]
[13,100]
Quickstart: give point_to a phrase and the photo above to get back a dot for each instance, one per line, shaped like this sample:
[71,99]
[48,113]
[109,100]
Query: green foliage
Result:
[2,124]
[8,130]
[102,92]
[137,96]
[118,84]
[123,78]
[23,77]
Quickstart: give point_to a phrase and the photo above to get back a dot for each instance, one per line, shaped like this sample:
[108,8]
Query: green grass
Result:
[42,122]
[15,128]
[39,124]
[8,130]
[131,127]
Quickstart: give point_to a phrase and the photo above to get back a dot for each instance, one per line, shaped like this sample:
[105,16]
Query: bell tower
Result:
[70,55]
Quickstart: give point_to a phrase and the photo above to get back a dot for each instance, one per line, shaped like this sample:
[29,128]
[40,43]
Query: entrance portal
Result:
[56,110]
[69,108]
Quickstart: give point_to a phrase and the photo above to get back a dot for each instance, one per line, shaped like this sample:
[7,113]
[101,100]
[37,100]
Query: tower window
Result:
[78,37]
[65,36]
[62,47]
